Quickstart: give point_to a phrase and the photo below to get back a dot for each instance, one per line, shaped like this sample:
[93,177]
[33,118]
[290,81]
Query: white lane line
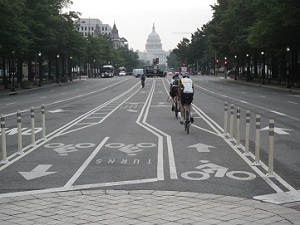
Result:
[110,184]
[160,161]
[293,102]
[11,103]
[107,114]
[278,113]
[68,99]
[85,164]
[257,106]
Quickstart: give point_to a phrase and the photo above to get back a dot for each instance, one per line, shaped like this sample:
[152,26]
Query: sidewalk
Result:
[141,208]
[6,92]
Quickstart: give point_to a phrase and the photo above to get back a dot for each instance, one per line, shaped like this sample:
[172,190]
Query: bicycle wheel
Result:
[187,121]
[176,108]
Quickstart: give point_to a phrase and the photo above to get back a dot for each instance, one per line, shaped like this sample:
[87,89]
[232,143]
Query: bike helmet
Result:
[175,76]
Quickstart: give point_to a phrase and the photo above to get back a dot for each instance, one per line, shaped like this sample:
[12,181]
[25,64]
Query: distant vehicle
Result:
[152,71]
[230,73]
[122,73]
[107,71]
[137,72]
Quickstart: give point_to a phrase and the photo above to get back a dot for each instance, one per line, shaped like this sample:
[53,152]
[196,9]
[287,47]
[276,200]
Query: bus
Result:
[107,71]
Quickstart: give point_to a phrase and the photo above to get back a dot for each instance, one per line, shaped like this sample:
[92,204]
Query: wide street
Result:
[113,134]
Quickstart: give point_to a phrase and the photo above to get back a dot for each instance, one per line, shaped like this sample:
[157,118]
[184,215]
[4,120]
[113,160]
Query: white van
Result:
[137,72]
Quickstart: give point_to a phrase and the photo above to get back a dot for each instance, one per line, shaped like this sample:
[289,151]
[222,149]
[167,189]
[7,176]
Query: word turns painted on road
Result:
[124,161]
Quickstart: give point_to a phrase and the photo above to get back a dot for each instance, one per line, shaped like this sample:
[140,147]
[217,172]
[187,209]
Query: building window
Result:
[85,28]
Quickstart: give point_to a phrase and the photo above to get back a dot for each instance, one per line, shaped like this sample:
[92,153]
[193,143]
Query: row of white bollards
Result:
[247,135]
[4,160]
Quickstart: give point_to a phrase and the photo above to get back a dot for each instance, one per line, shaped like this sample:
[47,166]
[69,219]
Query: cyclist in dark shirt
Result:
[173,89]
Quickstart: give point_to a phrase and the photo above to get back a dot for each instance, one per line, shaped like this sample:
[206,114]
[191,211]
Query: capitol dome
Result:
[153,41]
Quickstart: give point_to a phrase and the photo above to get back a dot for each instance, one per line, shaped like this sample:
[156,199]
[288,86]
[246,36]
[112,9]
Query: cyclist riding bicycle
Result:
[173,89]
[143,78]
[186,95]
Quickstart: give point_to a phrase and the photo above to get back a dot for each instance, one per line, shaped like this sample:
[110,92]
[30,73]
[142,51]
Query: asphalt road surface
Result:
[111,133]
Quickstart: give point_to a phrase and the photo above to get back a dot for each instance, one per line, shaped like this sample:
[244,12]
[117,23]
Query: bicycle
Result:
[187,118]
[176,106]
[143,83]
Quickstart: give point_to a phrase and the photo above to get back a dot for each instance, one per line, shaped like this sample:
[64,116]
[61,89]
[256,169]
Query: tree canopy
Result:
[247,27]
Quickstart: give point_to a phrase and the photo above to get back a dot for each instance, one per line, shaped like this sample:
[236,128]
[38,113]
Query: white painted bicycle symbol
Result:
[208,168]
[130,149]
[63,149]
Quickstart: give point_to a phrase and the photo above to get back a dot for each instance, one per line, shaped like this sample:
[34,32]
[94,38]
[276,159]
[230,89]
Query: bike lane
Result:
[204,161]
[105,147]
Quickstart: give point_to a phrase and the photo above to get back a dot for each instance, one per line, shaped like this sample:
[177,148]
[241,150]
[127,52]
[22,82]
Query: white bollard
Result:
[257,141]
[43,122]
[271,149]
[238,135]
[247,153]
[225,117]
[19,125]
[32,126]
[3,141]
[231,121]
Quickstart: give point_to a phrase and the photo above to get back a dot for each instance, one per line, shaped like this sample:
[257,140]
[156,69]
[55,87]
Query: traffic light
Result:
[217,61]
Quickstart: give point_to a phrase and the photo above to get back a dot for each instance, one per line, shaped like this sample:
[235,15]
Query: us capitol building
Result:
[153,49]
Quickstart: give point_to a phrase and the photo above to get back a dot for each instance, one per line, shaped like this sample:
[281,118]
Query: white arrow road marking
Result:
[278,130]
[38,171]
[201,147]
[56,111]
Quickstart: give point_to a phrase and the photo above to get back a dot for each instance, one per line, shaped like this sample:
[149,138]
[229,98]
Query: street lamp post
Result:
[13,72]
[71,68]
[225,66]
[236,68]
[263,72]
[248,66]
[57,68]
[288,67]
[40,69]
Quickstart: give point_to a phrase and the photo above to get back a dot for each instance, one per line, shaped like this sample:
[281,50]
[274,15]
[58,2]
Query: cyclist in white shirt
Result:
[186,95]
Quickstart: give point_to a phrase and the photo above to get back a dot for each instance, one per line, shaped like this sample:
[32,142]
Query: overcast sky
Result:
[174,19]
